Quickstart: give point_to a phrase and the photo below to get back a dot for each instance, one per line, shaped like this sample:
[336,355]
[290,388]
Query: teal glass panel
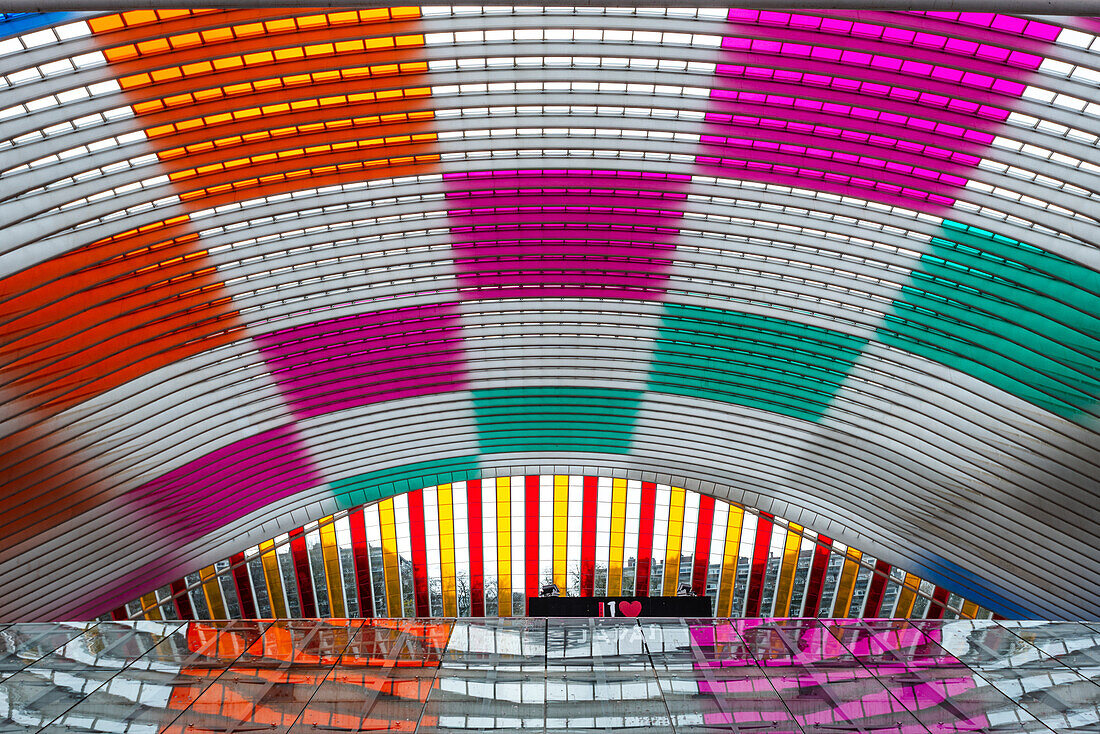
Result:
[1020,318]
[383,483]
[757,361]
[556,419]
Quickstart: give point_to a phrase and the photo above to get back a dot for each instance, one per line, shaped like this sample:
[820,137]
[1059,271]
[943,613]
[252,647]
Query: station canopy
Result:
[836,271]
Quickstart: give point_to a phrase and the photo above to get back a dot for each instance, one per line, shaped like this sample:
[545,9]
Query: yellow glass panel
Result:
[447,550]
[389,557]
[675,540]
[273,579]
[149,606]
[561,527]
[213,593]
[729,561]
[334,580]
[785,587]
[847,583]
[618,537]
[907,596]
[504,546]
[969,610]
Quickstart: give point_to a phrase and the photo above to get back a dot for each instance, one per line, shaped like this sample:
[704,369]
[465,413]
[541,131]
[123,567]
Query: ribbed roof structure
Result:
[260,266]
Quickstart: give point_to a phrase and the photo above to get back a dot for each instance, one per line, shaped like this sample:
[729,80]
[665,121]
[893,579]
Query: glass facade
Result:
[557,675]
[468,555]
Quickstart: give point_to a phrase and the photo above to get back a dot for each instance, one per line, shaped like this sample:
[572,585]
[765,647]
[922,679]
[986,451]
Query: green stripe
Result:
[758,361]
[1008,313]
[383,483]
[556,419]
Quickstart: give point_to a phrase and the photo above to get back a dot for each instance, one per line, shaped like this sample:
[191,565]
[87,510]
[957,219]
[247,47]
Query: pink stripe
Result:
[367,358]
[791,100]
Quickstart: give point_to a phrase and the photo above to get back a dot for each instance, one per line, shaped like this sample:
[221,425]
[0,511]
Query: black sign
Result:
[618,606]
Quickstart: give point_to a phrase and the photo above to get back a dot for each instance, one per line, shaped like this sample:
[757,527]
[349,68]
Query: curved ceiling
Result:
[259,266]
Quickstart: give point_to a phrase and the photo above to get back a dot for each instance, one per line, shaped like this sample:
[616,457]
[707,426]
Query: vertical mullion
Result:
[561,531]
[334,579]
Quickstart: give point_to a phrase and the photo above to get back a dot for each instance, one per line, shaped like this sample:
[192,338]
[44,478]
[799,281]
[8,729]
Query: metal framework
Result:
[260,266]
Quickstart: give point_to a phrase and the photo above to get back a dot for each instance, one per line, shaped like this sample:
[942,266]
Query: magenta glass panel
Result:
[850,104]
[367,358]
[202,495]
[564,233]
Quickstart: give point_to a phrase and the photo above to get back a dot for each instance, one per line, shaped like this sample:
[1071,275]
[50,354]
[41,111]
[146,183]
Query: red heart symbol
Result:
[630,608]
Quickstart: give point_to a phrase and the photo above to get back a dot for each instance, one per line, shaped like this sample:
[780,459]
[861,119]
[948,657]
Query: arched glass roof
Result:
[263,266]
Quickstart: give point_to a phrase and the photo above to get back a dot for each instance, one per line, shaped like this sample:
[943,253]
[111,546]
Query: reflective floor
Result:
[558,675]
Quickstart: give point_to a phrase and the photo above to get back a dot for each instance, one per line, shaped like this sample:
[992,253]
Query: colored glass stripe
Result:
[555,419]
[84,323]
[334,577]
[618,537]
[645,538]
[419,553]
[872,605]
[212,592]
[785,586]
[387,523]
[1020,318]
[230,80]
[907,597]
[588,536]
[729,562]
[504,546]
[847,583]
[761,549]
[790,98]
[701,558]
[477,562]
[564,233]
[364,488]
[302,575]
[969,610]
[274,580]
[149,606]
[671,580]
[181,600]
[757,361]
[15,24]
[816,581]
[445,494]
[367,358]
[361,555]
[531,530]
[243,586]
